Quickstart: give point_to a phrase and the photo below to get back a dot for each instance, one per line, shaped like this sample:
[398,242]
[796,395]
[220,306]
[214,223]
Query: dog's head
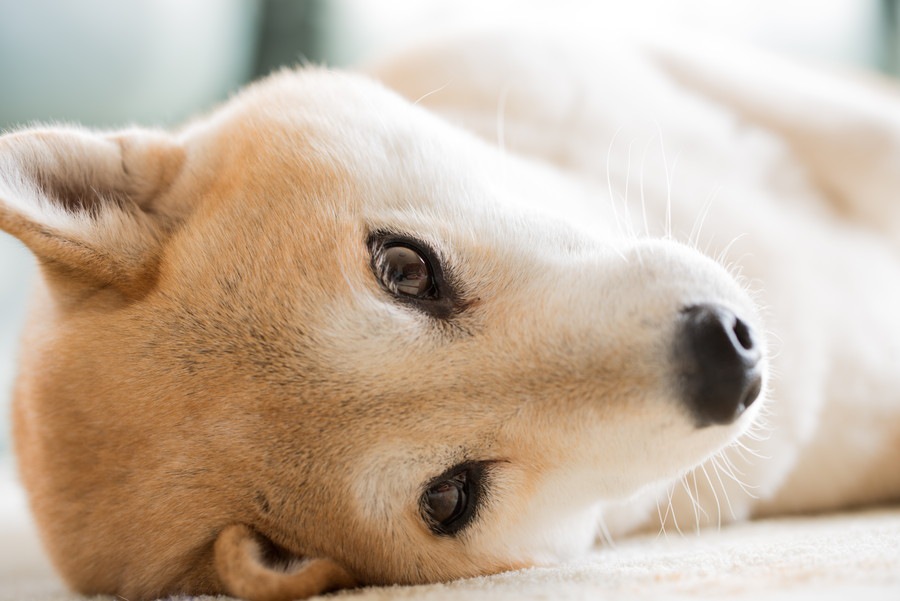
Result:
[321,337]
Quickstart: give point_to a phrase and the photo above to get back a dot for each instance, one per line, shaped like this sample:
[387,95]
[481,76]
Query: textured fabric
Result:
[852,556]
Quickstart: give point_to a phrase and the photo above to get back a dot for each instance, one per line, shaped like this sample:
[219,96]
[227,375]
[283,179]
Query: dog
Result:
[459,314]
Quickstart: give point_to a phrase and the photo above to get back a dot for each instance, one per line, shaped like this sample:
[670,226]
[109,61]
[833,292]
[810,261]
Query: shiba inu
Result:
[455,316]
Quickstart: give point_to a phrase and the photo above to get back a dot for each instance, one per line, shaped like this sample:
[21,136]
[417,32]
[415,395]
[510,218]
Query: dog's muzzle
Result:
[717,360]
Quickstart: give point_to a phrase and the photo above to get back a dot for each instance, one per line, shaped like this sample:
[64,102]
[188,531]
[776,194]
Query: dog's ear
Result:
[88,204]
[253,568]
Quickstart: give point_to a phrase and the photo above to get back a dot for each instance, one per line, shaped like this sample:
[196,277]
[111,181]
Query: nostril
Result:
[743,335]
[752,392]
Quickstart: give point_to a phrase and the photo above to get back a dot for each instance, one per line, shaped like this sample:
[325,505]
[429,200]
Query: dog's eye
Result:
[449,502]
[412,272]
[405,271]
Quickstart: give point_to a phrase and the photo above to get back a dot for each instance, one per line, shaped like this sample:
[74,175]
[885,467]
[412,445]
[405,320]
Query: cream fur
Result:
[212,368]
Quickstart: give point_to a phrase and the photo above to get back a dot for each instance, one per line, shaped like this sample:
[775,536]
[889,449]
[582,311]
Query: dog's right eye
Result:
[405,271]
[412,273]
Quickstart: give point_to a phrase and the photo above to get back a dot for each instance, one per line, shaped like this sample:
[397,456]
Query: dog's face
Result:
[324,325]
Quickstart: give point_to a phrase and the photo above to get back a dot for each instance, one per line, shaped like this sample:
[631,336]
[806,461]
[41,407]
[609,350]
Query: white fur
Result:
[702,148]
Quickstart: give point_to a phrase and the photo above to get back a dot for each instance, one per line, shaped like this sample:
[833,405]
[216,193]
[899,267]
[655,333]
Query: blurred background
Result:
[107,63]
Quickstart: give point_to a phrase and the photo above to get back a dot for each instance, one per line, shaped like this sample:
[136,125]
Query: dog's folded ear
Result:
[89,204]
[251,567]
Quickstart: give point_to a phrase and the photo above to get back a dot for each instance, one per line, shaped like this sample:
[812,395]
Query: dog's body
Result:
[224,372]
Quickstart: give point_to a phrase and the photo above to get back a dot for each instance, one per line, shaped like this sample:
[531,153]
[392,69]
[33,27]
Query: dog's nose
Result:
[717,358]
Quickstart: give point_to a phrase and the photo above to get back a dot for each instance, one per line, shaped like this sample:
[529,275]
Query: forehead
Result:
[316,160]
[369,152]
[339,136]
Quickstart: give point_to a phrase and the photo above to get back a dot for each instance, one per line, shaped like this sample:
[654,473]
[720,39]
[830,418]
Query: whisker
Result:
[662,521]
[694,237]
[687,489]
[628,173]
[501,126]
[432,92]
[604,531]
[662,148]
[728,463]
[612,196]
[775,352]
[721,256]
[694,504]
[674,517]
[757,434]
[697,491]
[728,469]
[629,222]
[641,177]
[670,184]
[501,118]
[753,452]
[717,469]
[712,488]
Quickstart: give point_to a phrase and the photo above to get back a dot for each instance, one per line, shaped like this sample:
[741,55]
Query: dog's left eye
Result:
[451,500]
[447,500]
[406,272]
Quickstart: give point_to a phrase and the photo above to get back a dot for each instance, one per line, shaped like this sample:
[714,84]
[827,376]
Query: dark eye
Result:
[406,272]
[446,501]
[450,501]
[412,272]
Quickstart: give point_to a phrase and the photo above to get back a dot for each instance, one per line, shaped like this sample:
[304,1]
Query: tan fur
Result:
[211,373]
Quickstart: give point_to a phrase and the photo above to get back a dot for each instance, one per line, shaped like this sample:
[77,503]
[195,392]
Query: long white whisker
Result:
[609,185]
[694,504]
[753,452]
[687,489]
[612,194]
[758,434]
[501,126]
[604,531]
[662,148]
[724,253]
[641,179]
[728,468]
[501,118]
[434,91]
[628,171]
[670,185]
[672,508]
[694,237]
[717,470]
[629,223]
[726,460]
[697,492]
[712,488]
[662,521]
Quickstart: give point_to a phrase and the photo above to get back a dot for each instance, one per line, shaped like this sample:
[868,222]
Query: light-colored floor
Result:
[846,557]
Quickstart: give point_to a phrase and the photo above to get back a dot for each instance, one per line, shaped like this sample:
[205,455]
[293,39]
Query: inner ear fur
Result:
[253,568]
[88,204]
